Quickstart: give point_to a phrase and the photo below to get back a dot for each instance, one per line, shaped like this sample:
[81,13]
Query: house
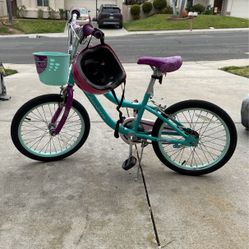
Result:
[31,7]
[3,8]
[237,8]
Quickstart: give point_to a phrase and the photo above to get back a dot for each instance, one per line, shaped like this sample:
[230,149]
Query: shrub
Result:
[51,13]
[62,14]
[167,10]
[135,11]
[147,7]
[209,10]
[159,5]
[20,11]
[198,8]
[40,13]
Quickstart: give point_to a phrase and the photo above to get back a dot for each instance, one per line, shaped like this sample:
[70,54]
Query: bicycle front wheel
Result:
[217,138]
[31,125]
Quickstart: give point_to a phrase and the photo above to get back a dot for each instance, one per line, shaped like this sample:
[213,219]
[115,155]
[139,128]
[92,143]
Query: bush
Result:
[62,14]
[21,11]
[209,10]
[40,13]
[167,10]
[159,5]
[147,7]
[135,11]
[198,8]
[51,13]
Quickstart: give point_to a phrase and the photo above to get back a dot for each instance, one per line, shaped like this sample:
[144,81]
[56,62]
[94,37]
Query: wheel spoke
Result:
[213,139]
[35,135]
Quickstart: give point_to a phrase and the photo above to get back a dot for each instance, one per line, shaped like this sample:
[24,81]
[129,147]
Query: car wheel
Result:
[120,26]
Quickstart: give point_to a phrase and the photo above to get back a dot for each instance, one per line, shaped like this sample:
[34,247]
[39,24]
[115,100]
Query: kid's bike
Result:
[192,137]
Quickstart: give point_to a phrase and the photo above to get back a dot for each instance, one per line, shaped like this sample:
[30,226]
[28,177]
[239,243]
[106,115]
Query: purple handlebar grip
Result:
[88,29]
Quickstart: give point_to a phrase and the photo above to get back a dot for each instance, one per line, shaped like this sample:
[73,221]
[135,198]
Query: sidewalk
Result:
[88,202]
[124,32]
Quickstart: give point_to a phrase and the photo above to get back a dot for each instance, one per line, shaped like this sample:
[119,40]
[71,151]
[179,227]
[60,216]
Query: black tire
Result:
[187,160]
[30,129]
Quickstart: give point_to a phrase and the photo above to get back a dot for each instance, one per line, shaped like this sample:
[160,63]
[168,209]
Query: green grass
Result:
[241,71]
[4,29]
[9,71]
[29,26]
[163,22]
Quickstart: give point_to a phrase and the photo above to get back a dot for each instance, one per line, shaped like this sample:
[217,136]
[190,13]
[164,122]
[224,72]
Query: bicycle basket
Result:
[52,67]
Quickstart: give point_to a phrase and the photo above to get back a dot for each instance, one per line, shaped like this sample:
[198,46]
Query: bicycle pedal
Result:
[129,163]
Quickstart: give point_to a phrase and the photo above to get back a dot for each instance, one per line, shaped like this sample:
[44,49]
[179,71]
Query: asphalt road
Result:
[201,46]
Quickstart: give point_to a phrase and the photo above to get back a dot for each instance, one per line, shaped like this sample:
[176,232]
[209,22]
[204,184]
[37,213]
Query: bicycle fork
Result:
[54,128]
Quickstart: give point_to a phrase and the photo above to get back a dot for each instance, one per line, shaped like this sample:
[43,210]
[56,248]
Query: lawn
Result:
[29,26]
[164,22]
[9,71]
[155,22]
[4,29]
[241,71]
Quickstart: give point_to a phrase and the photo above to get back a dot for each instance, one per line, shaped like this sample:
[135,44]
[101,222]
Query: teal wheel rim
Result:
[214,140]
[34,135]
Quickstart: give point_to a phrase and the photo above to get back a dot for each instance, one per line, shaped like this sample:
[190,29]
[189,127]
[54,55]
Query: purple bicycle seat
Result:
[164,64]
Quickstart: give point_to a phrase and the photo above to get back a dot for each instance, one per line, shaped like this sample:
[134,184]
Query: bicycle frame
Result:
[140,107]
[173,127]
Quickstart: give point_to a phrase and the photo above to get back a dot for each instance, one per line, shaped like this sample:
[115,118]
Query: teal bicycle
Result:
[192,137]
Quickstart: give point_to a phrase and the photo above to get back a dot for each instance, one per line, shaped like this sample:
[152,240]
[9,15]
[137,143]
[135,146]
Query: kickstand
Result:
[140,168]
[131,160]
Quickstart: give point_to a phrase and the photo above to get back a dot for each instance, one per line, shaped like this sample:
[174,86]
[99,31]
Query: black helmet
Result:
[98,70]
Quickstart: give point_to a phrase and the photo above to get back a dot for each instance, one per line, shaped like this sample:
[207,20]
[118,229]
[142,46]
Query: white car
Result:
[83,15]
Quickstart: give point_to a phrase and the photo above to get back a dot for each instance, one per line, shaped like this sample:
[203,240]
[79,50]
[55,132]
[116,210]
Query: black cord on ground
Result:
[147,197]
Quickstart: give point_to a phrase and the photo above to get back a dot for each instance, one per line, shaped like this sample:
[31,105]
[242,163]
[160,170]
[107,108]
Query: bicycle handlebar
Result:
[77,34]
[88,29]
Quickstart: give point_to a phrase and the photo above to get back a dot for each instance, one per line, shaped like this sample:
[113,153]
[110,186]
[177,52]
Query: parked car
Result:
[83,15]
[109,14]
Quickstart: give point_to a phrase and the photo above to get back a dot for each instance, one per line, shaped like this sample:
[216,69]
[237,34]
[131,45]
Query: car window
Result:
[110,10]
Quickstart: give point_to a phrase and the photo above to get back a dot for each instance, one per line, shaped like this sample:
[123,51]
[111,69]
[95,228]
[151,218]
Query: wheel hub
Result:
[51,128]
[194,139]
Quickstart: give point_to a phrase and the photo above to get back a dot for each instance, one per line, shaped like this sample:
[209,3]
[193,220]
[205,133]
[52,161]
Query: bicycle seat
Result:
[164,64]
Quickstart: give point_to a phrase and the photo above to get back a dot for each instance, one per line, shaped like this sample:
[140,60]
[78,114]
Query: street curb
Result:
[123,32]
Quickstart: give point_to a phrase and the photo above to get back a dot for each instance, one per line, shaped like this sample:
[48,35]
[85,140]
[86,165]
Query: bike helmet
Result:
[98,70]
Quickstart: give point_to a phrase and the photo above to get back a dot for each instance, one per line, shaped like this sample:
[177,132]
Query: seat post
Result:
[157,74]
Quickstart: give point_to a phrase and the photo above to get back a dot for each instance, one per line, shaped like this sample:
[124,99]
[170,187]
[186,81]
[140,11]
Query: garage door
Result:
[240,8]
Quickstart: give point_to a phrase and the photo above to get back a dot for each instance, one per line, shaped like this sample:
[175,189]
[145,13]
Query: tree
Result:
[9,9]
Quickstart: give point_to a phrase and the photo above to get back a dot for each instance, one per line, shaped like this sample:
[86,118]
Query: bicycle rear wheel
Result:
[217,138]
[31,129]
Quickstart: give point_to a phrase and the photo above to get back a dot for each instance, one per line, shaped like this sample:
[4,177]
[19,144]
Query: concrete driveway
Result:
[88,201]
